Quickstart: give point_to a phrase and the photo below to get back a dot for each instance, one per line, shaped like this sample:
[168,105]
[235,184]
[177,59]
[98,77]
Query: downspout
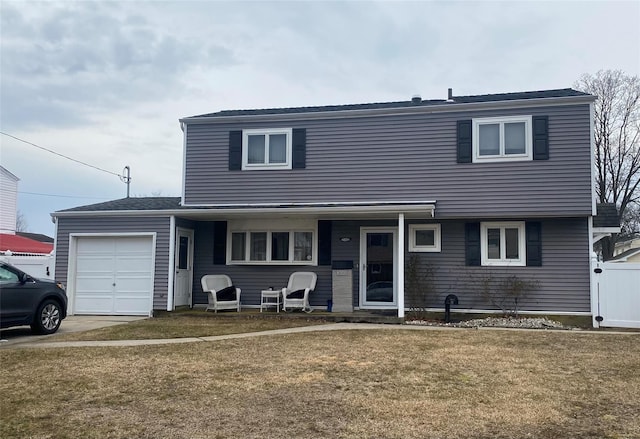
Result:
[400,265]
[172,262]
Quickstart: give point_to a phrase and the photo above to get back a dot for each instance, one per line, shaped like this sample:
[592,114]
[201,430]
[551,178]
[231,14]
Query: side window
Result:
[424,238]
[7,276]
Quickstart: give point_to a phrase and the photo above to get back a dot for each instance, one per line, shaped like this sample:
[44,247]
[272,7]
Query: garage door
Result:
[114,275]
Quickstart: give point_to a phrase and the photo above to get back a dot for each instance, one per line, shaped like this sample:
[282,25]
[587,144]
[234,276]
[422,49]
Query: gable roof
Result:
[36,236]
[622,257]
[541,94]
[131,203]
[20,244]
[607,216]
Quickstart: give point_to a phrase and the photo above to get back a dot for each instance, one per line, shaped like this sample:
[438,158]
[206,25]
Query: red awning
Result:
[20,244]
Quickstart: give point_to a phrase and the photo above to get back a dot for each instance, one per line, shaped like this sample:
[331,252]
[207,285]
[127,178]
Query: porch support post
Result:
[401,265]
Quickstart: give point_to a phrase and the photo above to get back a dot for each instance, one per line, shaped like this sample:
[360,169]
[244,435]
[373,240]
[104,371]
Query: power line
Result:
[64,196]
[62,155]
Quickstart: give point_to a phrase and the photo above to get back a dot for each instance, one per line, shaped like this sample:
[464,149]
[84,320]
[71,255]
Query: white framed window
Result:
[424,238]
[502,138]
[503,243]
[278,242]
[266,148]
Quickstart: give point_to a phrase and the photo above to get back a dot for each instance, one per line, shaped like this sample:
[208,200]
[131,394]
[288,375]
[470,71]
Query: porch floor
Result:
[359,316]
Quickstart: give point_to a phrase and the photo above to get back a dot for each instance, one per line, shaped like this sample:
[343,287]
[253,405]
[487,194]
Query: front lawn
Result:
[383,383]
[191,324]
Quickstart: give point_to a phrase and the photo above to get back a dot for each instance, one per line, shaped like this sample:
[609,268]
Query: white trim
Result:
[503,261]
[363,267]
[55,247]
[266,226]
[437,236]
[383,112]
[270,208]
[184,164]
[71,262]
[246,166]
[502,156]
[400,269]
[172,263]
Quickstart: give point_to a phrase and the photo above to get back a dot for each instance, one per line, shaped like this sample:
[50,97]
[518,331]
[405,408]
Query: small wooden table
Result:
[267,299]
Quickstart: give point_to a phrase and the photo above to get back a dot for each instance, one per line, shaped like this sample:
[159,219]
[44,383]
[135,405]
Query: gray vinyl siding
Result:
[403,157]
[106,224]
[563,277]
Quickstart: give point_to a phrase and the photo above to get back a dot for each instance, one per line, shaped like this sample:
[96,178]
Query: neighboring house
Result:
[632,255]
[28,252]
[469,187]
[8,201]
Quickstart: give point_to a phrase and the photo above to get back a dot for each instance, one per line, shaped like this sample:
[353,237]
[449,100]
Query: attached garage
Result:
[111,275]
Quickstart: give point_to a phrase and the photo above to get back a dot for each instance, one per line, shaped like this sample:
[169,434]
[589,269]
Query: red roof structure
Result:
[20,244]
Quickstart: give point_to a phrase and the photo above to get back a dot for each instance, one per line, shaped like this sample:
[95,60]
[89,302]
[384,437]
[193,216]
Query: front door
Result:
[184,267]
[378,268]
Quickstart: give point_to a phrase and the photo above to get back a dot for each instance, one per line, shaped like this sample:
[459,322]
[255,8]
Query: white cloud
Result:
[105,82]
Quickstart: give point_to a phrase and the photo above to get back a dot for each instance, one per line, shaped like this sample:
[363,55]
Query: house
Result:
[28,251]
[496,185]
[631,255]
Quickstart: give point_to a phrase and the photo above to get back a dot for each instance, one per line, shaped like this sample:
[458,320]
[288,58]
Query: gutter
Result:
[378,112]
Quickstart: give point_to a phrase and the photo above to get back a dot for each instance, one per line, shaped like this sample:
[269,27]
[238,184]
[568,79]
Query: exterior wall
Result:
[563,277]
[251,278]
[402,157]
[8,201]
[105,224]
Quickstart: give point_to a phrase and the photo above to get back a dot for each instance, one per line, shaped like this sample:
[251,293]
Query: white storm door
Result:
[184,268]
[378,268]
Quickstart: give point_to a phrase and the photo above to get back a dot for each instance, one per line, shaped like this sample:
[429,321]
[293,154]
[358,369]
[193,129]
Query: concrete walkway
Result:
[302,329]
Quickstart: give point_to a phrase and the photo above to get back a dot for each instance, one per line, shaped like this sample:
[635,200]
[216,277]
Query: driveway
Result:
[23,334]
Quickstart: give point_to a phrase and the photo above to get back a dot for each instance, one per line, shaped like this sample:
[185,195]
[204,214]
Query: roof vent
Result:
[416,99]
[450,94]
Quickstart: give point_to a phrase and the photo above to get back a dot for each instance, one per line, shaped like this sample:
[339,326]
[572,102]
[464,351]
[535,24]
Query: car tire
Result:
[48,317]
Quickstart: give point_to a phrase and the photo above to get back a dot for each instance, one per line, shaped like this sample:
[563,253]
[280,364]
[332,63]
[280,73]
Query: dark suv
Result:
[25,300]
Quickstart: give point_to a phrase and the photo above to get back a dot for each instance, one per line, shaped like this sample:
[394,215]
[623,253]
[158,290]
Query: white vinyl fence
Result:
[616,294]
[40,266]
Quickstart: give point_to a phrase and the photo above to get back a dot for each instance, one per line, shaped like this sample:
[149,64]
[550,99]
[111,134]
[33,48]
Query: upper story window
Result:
[266,148]
[502,138]
[424,237]
[503,243]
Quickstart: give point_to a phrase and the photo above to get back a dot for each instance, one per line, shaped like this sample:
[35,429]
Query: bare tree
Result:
[616,136]
[21,222]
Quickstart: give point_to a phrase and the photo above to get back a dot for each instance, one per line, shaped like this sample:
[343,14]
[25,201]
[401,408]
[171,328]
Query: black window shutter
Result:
[235,150]
[324,242]
[219,242]
[534,243]
[540,137]
[299,145]
[464,141]
[472,244]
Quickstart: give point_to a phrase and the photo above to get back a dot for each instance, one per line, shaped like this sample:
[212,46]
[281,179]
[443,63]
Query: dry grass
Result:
[178,325]
[350,384]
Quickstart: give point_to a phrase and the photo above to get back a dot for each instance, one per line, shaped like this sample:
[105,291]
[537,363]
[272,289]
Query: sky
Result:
[105,82]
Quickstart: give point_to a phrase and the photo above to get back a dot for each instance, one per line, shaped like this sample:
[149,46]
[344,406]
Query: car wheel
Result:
[47,319]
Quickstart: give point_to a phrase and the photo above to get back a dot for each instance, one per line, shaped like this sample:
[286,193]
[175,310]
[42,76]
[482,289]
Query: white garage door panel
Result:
[114,275]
